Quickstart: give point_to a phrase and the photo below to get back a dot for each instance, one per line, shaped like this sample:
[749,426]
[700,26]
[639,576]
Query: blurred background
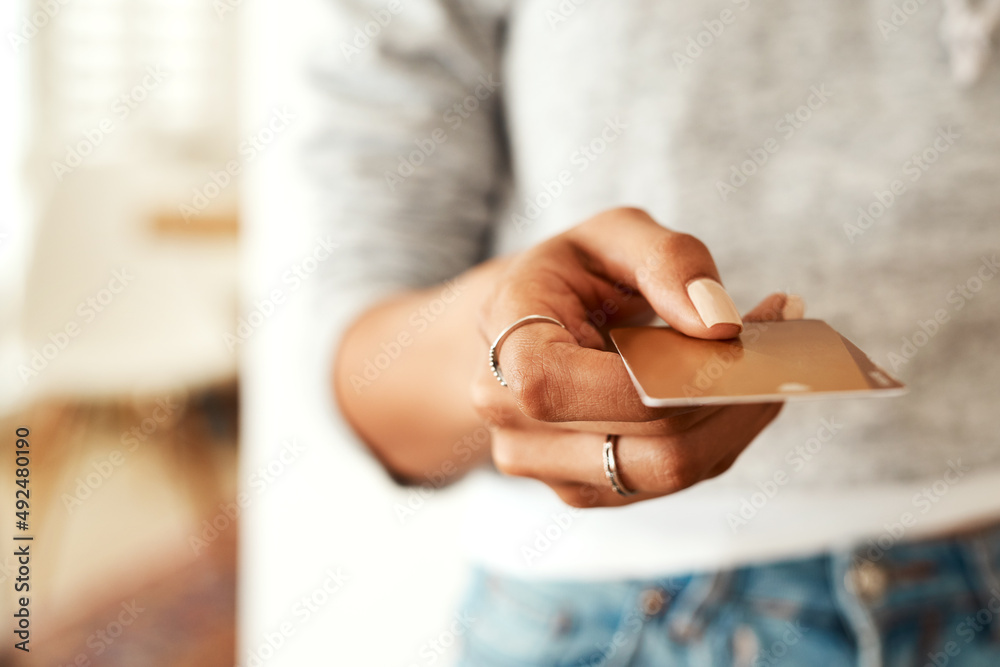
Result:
[114,299]
[143,142]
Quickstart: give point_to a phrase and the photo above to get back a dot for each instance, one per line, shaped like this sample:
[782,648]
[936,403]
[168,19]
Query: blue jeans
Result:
[933,603]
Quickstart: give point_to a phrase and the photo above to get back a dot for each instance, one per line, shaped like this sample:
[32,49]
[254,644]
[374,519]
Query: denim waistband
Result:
[871,587]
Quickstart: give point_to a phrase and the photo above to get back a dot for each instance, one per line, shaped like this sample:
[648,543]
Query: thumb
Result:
[675,272]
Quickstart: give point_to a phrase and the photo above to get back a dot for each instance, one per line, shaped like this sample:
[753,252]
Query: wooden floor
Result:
[125,571]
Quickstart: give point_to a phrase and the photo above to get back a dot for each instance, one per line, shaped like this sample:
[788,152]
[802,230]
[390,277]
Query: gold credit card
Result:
[769,361]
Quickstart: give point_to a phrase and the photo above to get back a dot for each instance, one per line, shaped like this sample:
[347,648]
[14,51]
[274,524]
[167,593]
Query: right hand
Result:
[566,391]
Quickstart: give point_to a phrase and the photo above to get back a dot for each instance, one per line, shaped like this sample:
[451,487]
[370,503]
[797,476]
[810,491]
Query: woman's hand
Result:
[565,392]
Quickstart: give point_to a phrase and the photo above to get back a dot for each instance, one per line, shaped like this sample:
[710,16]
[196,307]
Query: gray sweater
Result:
[819,148]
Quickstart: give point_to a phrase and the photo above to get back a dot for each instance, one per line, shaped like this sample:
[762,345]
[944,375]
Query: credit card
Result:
[769,361]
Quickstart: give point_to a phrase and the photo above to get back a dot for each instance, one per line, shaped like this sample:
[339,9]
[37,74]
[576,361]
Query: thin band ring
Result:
[611,467]
[494,349]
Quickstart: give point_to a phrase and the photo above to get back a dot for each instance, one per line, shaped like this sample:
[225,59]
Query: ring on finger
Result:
[611,467]
[495,347]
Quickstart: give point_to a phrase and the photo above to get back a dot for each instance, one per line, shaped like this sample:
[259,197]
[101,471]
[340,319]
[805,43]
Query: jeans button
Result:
[652,601]
[867,580]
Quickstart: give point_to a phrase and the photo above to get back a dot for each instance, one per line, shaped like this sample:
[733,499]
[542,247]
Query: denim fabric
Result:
[933,603]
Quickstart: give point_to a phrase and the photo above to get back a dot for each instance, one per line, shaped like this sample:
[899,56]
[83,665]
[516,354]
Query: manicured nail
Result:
[713,303]
[795,307]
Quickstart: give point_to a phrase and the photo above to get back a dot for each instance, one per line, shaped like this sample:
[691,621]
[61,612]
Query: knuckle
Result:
[682,244]
[632,213]
[615,216]
[679,473]
[535,391]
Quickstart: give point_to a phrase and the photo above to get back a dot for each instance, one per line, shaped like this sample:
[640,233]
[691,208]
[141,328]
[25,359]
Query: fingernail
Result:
[795,307]
[713,303]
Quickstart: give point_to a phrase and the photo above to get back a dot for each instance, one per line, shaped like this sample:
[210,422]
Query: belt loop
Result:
[690,610]
[847,569]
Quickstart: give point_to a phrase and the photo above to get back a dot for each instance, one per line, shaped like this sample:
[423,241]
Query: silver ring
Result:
[611,468]
[494,354]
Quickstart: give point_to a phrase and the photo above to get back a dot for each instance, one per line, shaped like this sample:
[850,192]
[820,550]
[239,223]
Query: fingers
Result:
[553,380]
[497,404]
[777,307]
[575,458]
[652,466]
[557,374]
[795,307]
[590,495]
[679,420]
[675,272]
